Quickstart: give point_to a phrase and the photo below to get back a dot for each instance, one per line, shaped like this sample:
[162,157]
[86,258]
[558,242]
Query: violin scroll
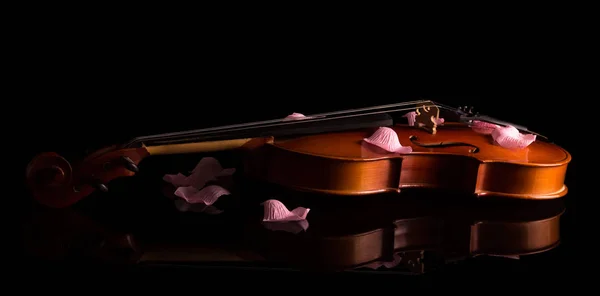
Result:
[54,182]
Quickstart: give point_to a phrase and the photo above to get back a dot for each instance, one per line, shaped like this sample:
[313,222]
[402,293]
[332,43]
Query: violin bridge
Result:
[427,116]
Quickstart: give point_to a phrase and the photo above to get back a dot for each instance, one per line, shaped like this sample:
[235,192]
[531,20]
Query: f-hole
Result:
[415,141]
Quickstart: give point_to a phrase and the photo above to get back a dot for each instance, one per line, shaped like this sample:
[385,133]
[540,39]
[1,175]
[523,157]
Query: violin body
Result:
[327,153]
[343,164]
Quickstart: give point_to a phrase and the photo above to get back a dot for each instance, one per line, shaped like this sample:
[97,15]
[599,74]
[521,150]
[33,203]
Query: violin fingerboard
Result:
[299,128]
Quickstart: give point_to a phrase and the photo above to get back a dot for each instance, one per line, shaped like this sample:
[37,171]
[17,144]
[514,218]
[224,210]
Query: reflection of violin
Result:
[364,232]
[343,234]
[65,234]
[326,153]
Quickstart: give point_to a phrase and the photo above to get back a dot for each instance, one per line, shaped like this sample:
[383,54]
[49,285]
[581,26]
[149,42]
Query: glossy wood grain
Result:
[341,163]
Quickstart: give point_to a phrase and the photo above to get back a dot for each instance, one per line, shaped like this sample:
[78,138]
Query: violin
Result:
[386,148]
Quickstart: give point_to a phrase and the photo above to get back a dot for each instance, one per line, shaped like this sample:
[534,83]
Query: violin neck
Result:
[202,147]
[187,142]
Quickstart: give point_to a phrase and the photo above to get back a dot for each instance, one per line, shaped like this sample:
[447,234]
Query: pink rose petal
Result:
[296,116]
[510,137]
[275,211]
[387,139]
[207,195]
[483,127]
[412,117]
[207,169]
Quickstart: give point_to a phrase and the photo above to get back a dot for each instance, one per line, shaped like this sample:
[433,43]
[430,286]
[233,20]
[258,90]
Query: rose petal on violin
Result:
[275,211]
[412,117]
[438,121]
[296,116]
[208,195]
[510,137]
[483,127]
[294,227]
[387,139]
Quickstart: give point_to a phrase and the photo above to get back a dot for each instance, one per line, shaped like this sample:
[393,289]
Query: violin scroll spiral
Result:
[54,182]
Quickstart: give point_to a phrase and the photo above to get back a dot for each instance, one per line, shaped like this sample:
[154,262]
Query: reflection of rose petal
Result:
[387,139]
[207,195]
[514,257]
[184,206]
[294,227]
[206,170]
[387,264]
[275,210]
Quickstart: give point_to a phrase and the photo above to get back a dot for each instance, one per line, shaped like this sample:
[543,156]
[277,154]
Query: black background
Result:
[77,88]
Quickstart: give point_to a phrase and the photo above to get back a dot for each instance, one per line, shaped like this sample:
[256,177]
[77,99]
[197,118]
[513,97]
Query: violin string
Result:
[269,123]
[206,133]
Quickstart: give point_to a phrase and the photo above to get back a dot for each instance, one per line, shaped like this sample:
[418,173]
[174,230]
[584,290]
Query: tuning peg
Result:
[129,164]
[471,109]
[99,186]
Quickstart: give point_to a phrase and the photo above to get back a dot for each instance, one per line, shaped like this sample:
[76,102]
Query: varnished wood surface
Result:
[342,164]
[349,146]
[338,163]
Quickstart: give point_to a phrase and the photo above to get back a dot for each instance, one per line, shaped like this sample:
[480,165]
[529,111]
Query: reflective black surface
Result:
[136,228]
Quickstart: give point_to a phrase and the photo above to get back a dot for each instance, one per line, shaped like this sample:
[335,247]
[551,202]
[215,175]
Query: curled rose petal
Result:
[412,117]
[206,170]
[510,137]
[207,195]
[276,211]
[176,179]
[387,264]
[438,121]
[296,116]
[183,206]
[483,127]
[294,227]
[387,139]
